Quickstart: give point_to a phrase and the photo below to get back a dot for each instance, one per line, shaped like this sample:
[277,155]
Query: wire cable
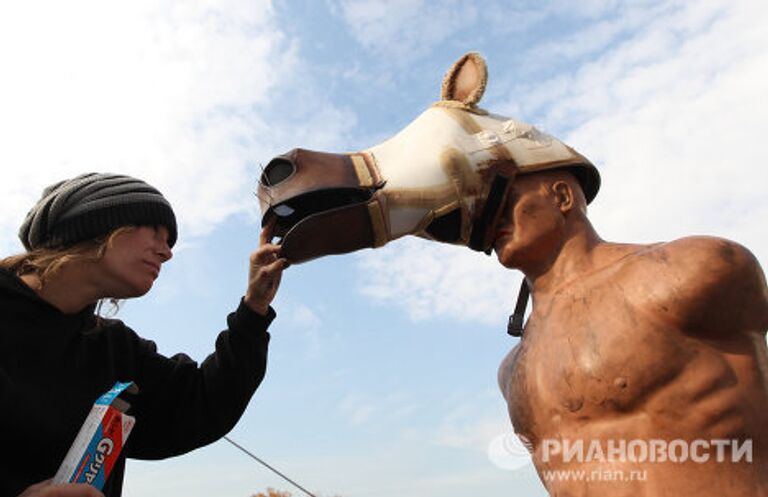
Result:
[264,463]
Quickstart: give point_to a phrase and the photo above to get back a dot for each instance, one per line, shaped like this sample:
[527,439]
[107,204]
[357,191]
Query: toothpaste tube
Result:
[100,440]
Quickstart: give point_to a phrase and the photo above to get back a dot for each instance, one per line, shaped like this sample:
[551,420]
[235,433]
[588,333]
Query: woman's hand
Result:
[47,489]
[264,275]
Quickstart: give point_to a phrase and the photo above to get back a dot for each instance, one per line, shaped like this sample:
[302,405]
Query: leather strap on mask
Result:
[480,239]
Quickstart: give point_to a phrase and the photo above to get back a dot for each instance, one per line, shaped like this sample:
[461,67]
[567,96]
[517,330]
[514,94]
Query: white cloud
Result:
[156,90]
[306,322]
[302,316]
[183,94]
[404,29]
[677,134]
[471,432]
[490,435]
[357,409]
[674,116]
[362,409]
[430,280]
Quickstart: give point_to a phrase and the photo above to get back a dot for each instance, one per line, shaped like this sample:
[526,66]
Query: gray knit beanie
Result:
[93,205]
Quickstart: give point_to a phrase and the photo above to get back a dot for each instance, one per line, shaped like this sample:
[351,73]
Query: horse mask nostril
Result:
[277,171]
[284,210]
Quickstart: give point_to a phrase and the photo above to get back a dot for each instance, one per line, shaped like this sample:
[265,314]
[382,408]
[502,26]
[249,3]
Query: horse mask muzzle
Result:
[444,177]
[320,203]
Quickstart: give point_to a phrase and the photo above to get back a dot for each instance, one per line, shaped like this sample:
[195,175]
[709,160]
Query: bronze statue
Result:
[634,343]
[642,370]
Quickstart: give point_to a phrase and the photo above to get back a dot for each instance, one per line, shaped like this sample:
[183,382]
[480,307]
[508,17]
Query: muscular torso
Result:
[616,356]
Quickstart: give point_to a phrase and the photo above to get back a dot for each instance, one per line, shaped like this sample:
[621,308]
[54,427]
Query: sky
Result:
[382,366]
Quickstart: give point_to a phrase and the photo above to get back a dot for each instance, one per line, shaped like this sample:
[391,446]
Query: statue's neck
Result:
[575,256]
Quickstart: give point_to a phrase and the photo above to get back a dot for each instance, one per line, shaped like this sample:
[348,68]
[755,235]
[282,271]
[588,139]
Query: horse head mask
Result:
[444,177]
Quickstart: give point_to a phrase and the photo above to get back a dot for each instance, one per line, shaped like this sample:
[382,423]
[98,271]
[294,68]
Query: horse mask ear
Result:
[465,81]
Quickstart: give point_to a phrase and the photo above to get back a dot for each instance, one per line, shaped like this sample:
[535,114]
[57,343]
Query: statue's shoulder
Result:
[718,257]
[696,262]
[690,261]
[709,277]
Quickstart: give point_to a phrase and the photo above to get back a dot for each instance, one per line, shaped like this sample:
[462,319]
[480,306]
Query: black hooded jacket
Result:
[53,366]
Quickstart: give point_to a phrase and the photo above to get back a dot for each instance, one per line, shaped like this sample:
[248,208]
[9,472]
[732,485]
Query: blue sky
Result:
[382,373]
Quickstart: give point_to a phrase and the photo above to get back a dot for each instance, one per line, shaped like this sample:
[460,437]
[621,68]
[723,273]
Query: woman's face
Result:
[132,262]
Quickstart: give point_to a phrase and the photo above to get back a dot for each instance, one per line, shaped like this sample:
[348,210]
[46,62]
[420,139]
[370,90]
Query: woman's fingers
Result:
[267,232]
[264,276]
[47,489]
[265,254]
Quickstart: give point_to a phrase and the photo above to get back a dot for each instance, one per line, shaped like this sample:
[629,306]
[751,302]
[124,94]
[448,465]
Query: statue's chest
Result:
[586,358]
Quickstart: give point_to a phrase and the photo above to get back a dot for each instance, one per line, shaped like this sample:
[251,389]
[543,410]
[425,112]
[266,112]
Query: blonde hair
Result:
[46,262]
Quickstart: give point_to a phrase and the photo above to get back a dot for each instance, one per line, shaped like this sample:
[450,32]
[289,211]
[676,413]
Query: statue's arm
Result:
[718,286]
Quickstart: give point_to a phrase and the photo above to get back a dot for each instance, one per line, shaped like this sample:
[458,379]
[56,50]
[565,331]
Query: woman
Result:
[106,236]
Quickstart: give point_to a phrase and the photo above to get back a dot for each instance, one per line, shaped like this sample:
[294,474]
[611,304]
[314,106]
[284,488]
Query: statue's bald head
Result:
[561,184]
[542,211]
